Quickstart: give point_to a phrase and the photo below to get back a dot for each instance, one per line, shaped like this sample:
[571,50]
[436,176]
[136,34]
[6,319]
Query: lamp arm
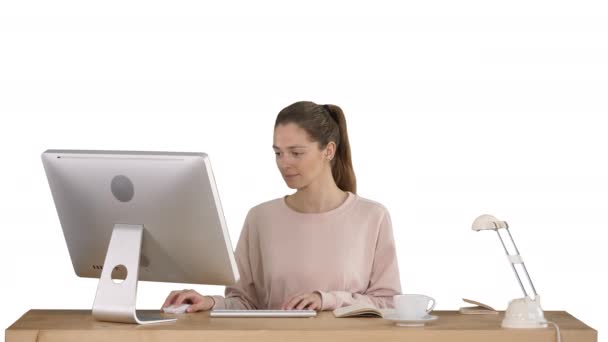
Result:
[516,259]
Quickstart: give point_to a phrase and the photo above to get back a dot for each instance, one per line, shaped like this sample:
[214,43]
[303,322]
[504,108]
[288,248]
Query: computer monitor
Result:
[129,216]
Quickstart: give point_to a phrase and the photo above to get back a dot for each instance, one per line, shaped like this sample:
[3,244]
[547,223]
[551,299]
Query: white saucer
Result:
[410,322]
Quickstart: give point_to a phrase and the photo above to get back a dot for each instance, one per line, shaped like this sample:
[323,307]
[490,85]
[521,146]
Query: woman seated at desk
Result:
[321,248]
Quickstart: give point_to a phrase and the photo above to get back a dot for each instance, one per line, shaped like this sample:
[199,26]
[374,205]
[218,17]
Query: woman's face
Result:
[299,159]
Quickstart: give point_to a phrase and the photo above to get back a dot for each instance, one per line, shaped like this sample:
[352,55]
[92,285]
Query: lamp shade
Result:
[488,222]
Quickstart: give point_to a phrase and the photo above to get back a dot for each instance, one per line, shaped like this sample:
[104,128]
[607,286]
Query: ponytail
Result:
[342,166]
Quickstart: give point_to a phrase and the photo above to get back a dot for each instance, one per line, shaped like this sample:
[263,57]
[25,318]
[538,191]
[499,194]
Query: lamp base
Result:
[524,313]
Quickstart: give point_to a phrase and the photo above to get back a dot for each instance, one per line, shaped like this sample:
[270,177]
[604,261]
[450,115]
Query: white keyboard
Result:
[263,313]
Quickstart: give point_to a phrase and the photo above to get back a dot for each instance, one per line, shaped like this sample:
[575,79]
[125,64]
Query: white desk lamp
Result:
[522,312]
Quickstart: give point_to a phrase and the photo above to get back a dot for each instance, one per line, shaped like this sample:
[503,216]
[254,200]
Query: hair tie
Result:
[331,114]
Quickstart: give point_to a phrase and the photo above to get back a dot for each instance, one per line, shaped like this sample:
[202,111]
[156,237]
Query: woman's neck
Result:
[318,197]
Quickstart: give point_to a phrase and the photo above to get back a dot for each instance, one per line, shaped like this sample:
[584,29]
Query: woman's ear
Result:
[330,150]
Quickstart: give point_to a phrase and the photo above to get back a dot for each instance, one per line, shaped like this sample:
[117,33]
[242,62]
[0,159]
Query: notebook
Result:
[478,309]
[361,310]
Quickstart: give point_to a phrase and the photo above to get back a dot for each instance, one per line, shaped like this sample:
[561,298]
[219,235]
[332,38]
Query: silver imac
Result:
[129,216]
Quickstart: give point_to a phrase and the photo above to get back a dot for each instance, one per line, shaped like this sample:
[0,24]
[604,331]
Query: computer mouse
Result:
[176,309]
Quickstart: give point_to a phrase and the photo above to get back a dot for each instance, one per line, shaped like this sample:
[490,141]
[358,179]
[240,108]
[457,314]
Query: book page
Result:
[485,306]
[357,310]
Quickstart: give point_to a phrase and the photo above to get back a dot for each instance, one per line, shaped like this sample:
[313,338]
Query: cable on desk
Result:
[559,335]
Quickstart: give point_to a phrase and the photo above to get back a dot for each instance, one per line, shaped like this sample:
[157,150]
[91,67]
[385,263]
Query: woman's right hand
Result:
[197,301]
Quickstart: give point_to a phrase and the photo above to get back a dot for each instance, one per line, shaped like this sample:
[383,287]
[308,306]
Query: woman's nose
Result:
[283,162]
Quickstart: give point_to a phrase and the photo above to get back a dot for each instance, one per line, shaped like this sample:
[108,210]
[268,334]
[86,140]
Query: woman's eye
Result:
[295,154]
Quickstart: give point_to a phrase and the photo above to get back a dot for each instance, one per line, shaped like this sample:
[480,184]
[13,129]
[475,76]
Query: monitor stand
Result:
[115,302]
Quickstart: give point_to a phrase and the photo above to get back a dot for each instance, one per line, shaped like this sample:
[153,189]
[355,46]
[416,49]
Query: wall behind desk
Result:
[455,109]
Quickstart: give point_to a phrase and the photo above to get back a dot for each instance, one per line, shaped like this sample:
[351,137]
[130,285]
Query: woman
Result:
[320,248]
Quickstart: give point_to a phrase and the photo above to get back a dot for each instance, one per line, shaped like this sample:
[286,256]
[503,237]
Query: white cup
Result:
[413,306]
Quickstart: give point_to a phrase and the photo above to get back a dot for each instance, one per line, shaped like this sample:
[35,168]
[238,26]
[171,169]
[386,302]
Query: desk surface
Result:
[78,325]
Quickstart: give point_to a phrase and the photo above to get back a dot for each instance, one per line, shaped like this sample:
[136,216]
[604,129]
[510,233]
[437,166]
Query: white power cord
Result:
[559,335]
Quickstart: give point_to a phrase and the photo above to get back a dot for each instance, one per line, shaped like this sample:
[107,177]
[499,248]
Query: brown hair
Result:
[324,123]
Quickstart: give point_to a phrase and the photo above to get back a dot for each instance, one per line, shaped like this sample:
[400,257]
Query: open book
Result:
[478,309]
[361,310]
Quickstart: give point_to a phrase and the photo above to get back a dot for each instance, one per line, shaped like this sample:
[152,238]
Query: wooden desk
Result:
[77,325]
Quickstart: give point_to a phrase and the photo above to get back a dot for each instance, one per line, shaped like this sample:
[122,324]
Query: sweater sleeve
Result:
[242,294]
[384,279]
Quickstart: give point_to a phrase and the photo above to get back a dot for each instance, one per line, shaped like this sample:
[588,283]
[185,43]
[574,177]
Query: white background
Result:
[454,108]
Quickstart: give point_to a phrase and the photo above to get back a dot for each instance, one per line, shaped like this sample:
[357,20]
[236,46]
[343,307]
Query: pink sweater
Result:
[346,254]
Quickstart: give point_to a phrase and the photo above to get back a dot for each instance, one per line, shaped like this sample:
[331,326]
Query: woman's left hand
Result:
[304,301]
